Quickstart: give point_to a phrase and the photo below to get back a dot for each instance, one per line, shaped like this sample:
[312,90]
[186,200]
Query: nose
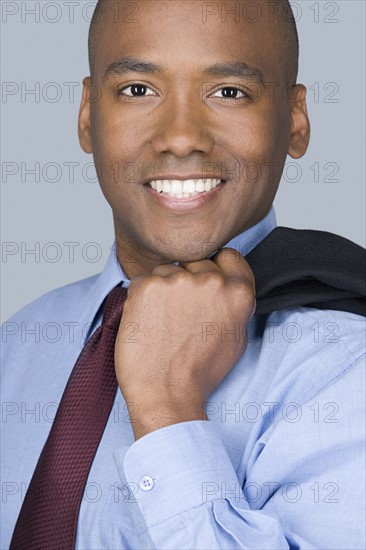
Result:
[183,127]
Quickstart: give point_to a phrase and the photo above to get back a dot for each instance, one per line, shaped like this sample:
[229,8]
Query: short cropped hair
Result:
[284,17]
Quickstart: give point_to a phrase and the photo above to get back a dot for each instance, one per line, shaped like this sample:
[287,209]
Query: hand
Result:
[175,343]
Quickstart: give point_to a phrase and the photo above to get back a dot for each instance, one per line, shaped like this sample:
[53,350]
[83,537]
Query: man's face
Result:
[184,122]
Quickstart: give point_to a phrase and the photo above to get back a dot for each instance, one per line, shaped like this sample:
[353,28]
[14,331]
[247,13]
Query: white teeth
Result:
[200,186]
[184,189]
[189,186]
[176,187]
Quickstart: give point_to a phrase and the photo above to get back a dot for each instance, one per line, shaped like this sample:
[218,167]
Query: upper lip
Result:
[185,177]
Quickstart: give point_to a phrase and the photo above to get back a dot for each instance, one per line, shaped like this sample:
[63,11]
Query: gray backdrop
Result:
[56,225]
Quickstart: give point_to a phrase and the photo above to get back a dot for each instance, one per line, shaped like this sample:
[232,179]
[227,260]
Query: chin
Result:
[191,255]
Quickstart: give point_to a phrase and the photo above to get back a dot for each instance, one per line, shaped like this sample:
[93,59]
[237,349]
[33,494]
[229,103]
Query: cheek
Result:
[259,148]
[261,143]
[257,134]
[116,127]
[115,149]
[108,137]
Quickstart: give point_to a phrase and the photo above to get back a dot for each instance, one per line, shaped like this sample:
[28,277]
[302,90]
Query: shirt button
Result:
[147,483]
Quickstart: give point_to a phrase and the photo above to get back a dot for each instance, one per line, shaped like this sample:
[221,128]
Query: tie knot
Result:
[114,305]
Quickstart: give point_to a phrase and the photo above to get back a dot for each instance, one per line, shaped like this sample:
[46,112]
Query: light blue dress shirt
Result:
[279,464]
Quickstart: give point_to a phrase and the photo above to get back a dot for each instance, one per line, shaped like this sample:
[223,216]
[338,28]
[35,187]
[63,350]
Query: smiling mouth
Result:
[184,189]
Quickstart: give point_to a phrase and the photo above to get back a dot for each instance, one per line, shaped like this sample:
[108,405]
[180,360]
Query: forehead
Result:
[186,36]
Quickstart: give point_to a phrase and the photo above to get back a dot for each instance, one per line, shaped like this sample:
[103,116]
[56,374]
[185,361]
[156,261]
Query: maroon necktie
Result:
[49,514]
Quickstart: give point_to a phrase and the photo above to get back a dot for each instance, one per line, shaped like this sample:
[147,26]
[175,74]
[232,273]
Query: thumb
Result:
[234,265]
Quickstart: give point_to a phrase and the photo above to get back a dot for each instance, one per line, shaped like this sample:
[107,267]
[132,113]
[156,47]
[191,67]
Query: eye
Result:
[137,90]
[233,92]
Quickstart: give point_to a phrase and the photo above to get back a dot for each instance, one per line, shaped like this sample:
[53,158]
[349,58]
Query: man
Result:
[227,430]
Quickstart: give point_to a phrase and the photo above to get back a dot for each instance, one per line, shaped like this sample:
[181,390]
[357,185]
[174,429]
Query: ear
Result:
[84,118]
[300,124]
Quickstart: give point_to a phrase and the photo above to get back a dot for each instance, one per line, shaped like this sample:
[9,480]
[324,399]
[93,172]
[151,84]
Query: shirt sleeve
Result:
[309,474]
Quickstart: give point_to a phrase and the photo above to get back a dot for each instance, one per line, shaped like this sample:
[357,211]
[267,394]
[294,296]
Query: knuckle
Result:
[181,275]
[177,278]
[160,269]
[243,292]
[213,279]
[152,281]
[242,287]
[226,252]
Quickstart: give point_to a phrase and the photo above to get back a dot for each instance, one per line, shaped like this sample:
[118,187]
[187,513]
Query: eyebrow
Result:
[236,68]
[139,65]
[132,65]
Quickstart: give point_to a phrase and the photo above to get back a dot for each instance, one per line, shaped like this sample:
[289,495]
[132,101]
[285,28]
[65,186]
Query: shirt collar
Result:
[249,239]
[114,275]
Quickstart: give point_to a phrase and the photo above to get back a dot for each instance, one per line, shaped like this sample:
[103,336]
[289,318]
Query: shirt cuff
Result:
[178,467]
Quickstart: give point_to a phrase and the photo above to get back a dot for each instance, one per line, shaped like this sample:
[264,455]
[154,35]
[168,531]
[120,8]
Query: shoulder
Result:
[321,329]
[67,296]
[304,350]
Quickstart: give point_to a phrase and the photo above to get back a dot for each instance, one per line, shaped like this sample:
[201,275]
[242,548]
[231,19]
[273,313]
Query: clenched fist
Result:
[178,337]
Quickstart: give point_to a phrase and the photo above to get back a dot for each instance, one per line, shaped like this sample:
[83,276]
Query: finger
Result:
[164,270]
[134,282]
[200,266]
[234,265]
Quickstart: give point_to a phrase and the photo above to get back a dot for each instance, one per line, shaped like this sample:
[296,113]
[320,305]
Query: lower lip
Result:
[187,204]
